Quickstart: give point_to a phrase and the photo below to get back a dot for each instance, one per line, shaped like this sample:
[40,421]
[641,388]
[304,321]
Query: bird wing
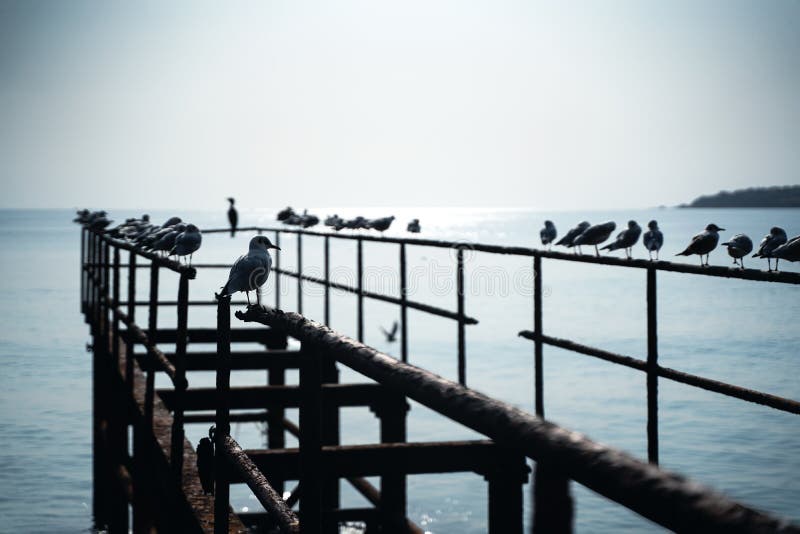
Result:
[394,329]
[248,272]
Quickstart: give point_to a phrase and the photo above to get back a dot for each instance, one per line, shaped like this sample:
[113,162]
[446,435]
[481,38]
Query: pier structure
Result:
[145,469]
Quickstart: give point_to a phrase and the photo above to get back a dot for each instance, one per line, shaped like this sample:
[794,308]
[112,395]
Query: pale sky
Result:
[547,105]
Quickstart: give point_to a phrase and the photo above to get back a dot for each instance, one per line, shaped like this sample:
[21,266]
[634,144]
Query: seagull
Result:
[572,234]
[548,233]
[775,238]
[381,224]
[233,217]
[594,235]
[413,226]
[333,220]
[391,336]
[250,271]
[703,243]
[167,241]
[285,213]
[789,251]
[626,239]
[738,247]
[187,242]
[653,239]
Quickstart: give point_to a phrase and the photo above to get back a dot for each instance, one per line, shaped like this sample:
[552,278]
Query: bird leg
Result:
[776,263]
[258,297]
[596,251]
[248,298]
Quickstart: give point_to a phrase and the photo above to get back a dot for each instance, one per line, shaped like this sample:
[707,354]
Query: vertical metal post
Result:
[537,328]
[327,267]
[180,377]
[552,501]
[152,328]
[277,268]
[223,421]
[83,269]
[392,413]
[299,274]
[310,441]
[462,349]
[115,297]
[117,423]
[106,296]
[403,306]
[276,434]
[330,434]
[652,368]
[129,346]
[360,286]
[505,494]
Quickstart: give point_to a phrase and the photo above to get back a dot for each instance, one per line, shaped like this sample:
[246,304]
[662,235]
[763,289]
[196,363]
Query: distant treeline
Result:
[787,196]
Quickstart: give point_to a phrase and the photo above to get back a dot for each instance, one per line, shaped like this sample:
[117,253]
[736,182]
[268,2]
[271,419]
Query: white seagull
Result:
[251,271]
[789,251]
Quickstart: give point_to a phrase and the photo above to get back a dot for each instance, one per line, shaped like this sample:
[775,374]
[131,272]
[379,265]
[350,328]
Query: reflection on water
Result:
[735,331]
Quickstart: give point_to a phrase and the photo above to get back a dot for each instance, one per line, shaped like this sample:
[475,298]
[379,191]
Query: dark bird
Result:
[285,213]
[789,251]
[413,226]
[205,462]
[626,239]
[653,239]
[594,235]
[703,243]
[775,238]
[233,217]
[381,224]
[548,233]
[333,220]
[738,247]
[187,242]
[567,240]
[251,271]
[391,336]
[167,241]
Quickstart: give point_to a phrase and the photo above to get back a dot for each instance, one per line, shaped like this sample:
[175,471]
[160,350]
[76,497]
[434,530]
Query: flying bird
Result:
[568,239]
[653,239]
[548,233]
[187,242]
[251,271]
[738,247]
[775,238]
[594,235]
[703,243]
[233,217]
[626,239]
[391,336]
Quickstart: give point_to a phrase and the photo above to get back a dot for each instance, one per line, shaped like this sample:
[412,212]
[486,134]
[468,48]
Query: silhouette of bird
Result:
[626,239]
[570,236]
[594,235]
[653,239]
[187,242]
[381,224]
[251,271]
[233,217]
[548,233]
[205,462]
[789,251]
[703,243]
[167,240]
[738,247]
[775,238]
[285,213]
[391,336]
[333,220]
[413,226]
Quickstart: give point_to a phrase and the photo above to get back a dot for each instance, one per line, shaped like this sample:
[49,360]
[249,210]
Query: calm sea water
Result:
[735,331]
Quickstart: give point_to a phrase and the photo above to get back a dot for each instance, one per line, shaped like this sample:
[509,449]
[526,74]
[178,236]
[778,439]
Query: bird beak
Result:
[276,248]
[722,229]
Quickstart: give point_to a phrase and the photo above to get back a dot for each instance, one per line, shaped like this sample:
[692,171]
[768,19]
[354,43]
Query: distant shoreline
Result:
[756,197]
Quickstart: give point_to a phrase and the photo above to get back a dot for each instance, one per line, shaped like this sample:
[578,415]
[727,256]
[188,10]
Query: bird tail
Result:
[610,246]
[684,253]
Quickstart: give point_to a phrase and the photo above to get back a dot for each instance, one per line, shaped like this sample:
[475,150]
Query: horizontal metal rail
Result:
[724,272]
[138,335]
[278,511]
[730,390]
[663,497]
[167,263]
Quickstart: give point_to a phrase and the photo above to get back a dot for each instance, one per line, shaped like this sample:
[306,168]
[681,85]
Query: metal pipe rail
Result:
[276,507]
[663,497]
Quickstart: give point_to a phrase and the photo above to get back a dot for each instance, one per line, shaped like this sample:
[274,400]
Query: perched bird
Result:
[789,251]
[172,221]
[333,220]
[251,271]
[233,217]
[187,242]
[82,216]
[167,240]
[653,239]
[307,220]
[703,243]
[573,233]
[548,233]
[391,336]
[626,239]
[381,224]
[775,238]
[413,226]
[285,213]
[205,462]
[738,247]
[594,235]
